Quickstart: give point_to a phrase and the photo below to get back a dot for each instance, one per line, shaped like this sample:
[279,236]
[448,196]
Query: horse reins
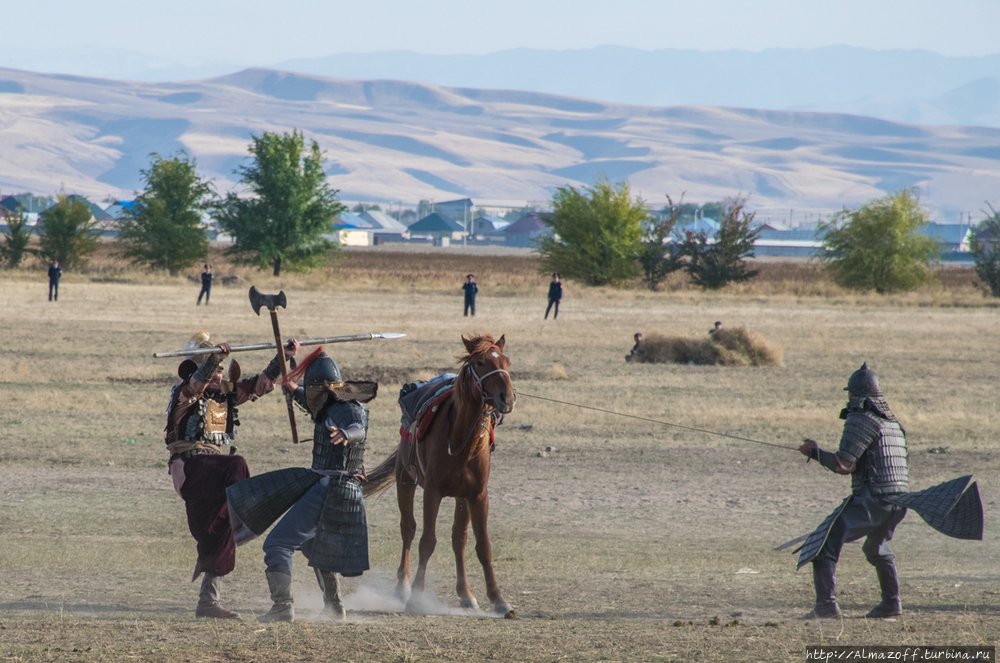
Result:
[657,421]
[479,421]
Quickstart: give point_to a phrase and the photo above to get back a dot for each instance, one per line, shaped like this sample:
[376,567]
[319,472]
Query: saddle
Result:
[419,405]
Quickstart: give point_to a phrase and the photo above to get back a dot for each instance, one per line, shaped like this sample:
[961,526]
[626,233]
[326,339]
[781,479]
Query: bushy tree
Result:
[163,227]
[291,206]
[67,231]
[984,246]
[16,239]
[714,262]
[595,233]
[879,247]
[659,256]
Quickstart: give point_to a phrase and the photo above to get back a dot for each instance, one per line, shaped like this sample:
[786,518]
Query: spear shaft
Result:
[271,346]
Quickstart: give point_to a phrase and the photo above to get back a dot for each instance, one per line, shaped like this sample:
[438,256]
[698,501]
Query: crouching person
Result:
[327,523]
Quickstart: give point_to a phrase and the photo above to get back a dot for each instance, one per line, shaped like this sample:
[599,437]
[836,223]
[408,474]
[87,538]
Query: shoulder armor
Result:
[860,430]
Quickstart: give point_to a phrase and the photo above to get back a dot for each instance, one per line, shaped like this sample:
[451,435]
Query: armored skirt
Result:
[325,519]
[207,476]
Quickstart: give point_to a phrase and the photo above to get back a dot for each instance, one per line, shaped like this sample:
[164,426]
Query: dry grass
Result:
[624,529]
[723,347]
[442,270]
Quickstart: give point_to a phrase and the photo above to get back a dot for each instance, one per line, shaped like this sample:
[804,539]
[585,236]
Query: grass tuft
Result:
[725,347]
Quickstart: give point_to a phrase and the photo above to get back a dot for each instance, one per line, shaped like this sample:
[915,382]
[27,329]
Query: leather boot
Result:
[280,585]
[825,582]
[333,607]
[889,583]
[208,600]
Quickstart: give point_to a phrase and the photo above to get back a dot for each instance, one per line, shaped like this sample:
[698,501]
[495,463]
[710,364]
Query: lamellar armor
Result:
[878,447]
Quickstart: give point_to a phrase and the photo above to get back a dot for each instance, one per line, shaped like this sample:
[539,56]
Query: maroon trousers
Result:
[204,491]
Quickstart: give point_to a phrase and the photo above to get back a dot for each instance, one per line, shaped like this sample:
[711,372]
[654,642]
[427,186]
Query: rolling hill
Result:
[397,141]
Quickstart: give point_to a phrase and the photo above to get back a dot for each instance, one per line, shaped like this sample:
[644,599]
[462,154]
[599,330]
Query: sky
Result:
[263,32]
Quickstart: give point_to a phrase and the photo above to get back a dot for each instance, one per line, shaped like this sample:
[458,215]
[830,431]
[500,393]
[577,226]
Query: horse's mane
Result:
[463,384]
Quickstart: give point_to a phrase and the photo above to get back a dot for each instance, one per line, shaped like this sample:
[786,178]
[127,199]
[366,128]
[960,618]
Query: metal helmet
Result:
[863,382]
[323,370]
[866,394]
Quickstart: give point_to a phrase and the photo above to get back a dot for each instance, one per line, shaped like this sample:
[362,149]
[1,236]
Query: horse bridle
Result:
[477,380]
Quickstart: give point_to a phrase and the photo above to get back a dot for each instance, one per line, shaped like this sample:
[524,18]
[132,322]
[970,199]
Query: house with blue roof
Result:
[438,227]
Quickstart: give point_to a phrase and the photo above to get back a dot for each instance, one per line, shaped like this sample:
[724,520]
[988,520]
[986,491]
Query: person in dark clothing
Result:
[206,285]
[470,289]
[637,350]
[555,294]
[55,273]
[873,453]
[717,327]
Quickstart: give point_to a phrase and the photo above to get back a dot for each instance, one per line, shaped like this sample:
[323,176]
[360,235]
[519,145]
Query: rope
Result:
[657,421]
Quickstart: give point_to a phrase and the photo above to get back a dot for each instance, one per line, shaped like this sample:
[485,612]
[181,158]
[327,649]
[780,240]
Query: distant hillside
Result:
[396,141]
[829,78]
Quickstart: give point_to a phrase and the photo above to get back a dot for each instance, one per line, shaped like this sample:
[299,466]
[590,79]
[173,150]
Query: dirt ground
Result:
[615,539]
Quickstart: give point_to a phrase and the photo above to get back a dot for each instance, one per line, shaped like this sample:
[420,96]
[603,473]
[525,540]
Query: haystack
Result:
[725,347]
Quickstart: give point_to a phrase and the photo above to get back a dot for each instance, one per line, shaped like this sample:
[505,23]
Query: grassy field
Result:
[615,539]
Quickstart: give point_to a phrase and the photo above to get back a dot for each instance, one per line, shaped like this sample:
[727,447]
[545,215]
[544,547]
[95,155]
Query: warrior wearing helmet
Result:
[201,420]
[327,519]
[873,452]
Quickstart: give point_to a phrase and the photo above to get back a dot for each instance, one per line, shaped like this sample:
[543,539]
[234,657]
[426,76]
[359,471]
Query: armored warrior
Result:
[201,420]
[327,520]
[873,452]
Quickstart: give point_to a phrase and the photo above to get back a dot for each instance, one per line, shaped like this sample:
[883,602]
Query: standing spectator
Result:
[55,273]
[555,294]
[206,285]
[470,289]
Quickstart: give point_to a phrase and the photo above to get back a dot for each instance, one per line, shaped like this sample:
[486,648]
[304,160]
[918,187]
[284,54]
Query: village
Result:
[507,223]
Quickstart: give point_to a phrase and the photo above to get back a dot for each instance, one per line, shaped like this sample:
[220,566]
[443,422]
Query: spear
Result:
[272,346]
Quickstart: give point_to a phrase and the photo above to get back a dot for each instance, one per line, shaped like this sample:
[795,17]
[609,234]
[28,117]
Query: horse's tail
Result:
[382,477]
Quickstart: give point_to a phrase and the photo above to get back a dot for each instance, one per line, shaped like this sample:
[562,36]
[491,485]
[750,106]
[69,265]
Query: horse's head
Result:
[486,368]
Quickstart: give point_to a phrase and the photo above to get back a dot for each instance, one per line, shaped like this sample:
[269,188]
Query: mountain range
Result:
[398,141]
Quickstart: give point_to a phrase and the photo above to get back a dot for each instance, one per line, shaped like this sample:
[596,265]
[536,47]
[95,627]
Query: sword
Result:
[272,346]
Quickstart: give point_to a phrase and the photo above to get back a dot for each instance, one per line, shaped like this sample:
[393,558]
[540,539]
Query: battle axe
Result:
[257,300]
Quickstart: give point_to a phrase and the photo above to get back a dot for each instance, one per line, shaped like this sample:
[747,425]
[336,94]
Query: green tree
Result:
[595,233]
[714,262]
[67,231]
[163,227]
[659,256]
[984,246]
[879,247]
[290,208]
[16,239]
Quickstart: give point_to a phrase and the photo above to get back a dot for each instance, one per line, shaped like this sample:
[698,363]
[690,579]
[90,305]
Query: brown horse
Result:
[452,459]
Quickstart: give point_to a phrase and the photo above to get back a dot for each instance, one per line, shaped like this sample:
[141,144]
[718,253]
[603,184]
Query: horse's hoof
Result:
[470,603]
[402,594]
[420,603]
[505,609]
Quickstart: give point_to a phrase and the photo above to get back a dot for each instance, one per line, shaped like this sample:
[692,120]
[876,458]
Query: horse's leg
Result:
[480,511]
[428,541]
[459,535]
[405,491]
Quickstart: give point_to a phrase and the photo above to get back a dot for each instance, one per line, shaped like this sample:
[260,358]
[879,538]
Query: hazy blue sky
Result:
[264,31]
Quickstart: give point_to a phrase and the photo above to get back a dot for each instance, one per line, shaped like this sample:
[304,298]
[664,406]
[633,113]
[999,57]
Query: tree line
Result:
[599,235]
[278,223]
[602,235]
